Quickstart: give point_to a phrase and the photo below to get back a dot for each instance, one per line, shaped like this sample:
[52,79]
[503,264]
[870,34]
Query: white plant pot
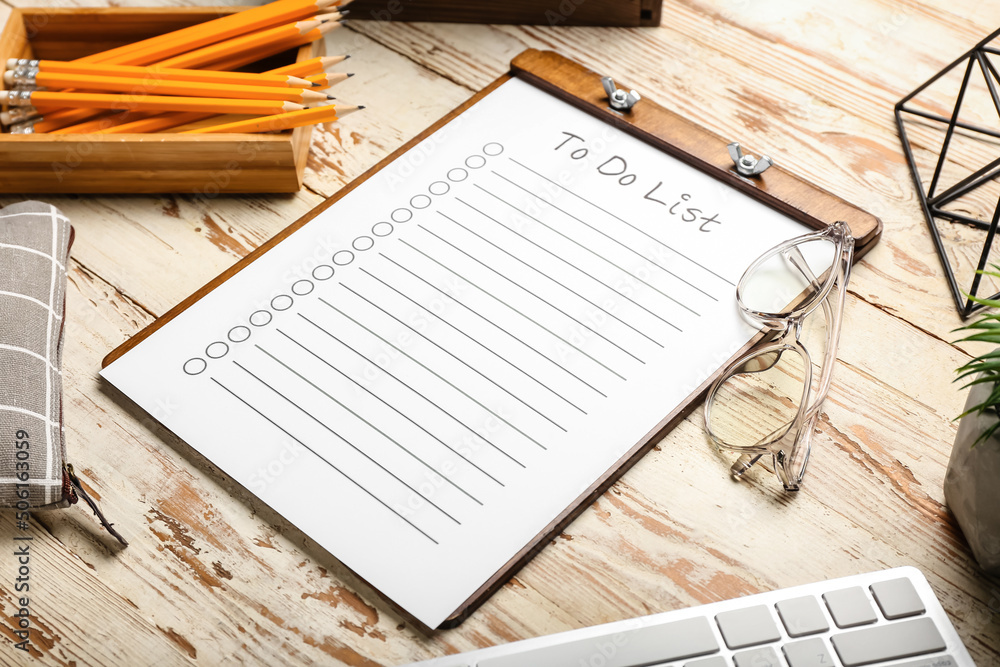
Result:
[972,483]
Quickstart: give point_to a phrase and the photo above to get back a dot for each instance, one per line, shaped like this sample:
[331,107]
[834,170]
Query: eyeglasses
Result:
[767,401]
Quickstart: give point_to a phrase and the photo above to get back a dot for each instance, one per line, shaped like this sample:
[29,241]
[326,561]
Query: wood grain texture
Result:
[213,577]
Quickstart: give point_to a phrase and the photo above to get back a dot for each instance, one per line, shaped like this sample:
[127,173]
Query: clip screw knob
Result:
[746,164]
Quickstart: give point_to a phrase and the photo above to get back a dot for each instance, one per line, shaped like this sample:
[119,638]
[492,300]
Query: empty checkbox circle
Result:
[239,334]
[260,318]
[323,272]
[281,302]
[195,366]
[217,350]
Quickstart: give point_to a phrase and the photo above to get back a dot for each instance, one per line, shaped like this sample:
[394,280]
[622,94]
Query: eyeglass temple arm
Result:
[803,435]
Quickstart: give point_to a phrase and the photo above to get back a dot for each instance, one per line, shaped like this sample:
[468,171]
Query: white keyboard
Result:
[890,618]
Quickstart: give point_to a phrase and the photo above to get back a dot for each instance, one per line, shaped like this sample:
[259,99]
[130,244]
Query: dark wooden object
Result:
[627,13]
[665,130]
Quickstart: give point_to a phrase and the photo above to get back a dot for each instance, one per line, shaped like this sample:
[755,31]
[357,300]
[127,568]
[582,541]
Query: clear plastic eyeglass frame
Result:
[789,445]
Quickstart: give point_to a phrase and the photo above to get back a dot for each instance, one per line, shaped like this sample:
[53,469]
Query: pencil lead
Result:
[330,97]
[350,74]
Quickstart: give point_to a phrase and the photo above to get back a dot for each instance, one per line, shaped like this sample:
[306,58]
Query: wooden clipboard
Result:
[664,130]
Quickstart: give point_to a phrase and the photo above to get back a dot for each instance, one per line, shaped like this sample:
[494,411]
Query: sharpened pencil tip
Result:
[347,56]
[361,106]
[350,74]
[330,97]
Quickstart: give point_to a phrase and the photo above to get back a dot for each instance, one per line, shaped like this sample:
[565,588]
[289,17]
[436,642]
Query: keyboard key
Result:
[717,661]
[807,653]
[747,627]
[802,616]
[897,599]
[758,657]
[903,639]
[652,644]
[935,661]
[850,607]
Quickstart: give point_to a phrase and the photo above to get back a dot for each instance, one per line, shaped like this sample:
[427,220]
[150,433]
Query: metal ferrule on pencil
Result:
[27,127]
[19,98]
[22,76]
[22,62]
[18,114]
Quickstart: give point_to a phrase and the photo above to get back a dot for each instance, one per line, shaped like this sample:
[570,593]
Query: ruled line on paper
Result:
[416,392]
[347,442]
[554,280]
[456,358]
[605,235]
[372,426]
[497,326]
[324,460]
[528,291]
[397,411]
[570,264]
[515,309]
[434,373]
[623,221]
[475,340]
[589,250]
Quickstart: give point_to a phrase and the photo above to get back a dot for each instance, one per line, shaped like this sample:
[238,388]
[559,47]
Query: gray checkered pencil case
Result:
[34,250]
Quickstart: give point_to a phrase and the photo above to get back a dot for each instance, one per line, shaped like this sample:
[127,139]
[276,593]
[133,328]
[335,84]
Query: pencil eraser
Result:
[5,117]
[8,77]
[11,63]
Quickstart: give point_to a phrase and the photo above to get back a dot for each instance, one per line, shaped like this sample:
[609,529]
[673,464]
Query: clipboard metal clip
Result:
[746,164]
[618,99]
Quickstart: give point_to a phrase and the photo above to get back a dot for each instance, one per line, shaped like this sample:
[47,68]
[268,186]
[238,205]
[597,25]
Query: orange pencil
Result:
[180,41]
[95,126]
[102,84]
[157,73]
[327,79]
[42,99]
[155,122]
[280,122]
[242,44]
[240,23]
[64,117]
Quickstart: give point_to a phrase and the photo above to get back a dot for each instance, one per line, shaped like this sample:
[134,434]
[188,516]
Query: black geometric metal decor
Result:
[939,194]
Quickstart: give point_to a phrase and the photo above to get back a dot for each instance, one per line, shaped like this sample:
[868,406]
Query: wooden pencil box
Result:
[205,165]
[625,13]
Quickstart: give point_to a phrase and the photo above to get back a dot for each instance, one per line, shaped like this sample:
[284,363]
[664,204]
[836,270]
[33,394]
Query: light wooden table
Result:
[214,577]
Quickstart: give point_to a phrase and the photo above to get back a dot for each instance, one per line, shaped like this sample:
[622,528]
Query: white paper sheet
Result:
[426,374]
